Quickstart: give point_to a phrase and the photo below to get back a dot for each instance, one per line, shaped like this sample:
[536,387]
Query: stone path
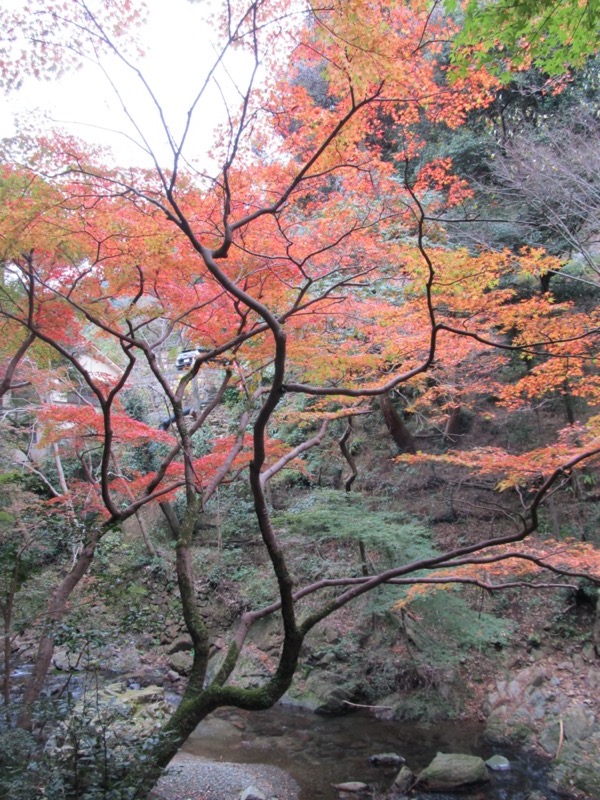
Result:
[192,778]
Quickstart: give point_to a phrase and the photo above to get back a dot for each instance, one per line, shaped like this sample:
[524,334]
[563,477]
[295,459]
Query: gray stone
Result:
[498,763]
[66,661]
[252,793]
[266,634]
[352,787]
[126,659]
[114,689]
[553,699]
[138,697]
[335,703]
[450,771]
[549,738]
[169,634]
[179,645]
[181,663]
[331,636]
[579,722]
[593,678]
[404,780]
[496,731]
[124,716]
[386,760]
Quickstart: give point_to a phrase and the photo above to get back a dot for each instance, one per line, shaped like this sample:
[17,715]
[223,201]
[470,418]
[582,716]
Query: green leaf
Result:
[556,35]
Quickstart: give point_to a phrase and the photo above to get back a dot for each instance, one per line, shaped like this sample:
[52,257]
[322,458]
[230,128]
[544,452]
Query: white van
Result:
[186,358]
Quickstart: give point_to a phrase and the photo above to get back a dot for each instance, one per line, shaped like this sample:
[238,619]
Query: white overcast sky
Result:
[179,49]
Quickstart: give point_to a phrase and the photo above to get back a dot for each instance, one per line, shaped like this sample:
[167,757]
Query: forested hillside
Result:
[320,402]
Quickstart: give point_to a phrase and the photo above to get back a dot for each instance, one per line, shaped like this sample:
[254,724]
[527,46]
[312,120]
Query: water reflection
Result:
[320,751]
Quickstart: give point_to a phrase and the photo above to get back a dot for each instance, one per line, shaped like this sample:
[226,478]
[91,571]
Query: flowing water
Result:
[320,751]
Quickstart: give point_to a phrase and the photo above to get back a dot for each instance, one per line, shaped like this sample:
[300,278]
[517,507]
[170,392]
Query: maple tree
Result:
[310,270]
[553,36]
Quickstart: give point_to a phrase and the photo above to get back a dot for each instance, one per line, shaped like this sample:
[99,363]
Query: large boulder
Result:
[181,662]
[320,692]
[450,771]
[179,645]
[335,703]
[116,716]
[65,660]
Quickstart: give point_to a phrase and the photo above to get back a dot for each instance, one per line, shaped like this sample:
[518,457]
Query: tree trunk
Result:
[8,607]
[56,610]
[364,563]
[395,424]
[545,279]
[343,442]
[453,425]
[569,410]
[596,631]
[138,515]
[554,516]
[198,702]
[7,664]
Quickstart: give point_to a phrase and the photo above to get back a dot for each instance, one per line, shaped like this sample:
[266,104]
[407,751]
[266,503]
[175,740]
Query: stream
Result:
[319,751]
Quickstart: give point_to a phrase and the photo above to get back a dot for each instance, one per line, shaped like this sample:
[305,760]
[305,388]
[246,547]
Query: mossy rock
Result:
[587,780]
[321,693]
[500,731]
[449,771]
[584,777]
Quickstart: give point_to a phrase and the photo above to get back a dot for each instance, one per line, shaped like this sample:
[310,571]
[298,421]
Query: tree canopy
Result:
[552,36]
